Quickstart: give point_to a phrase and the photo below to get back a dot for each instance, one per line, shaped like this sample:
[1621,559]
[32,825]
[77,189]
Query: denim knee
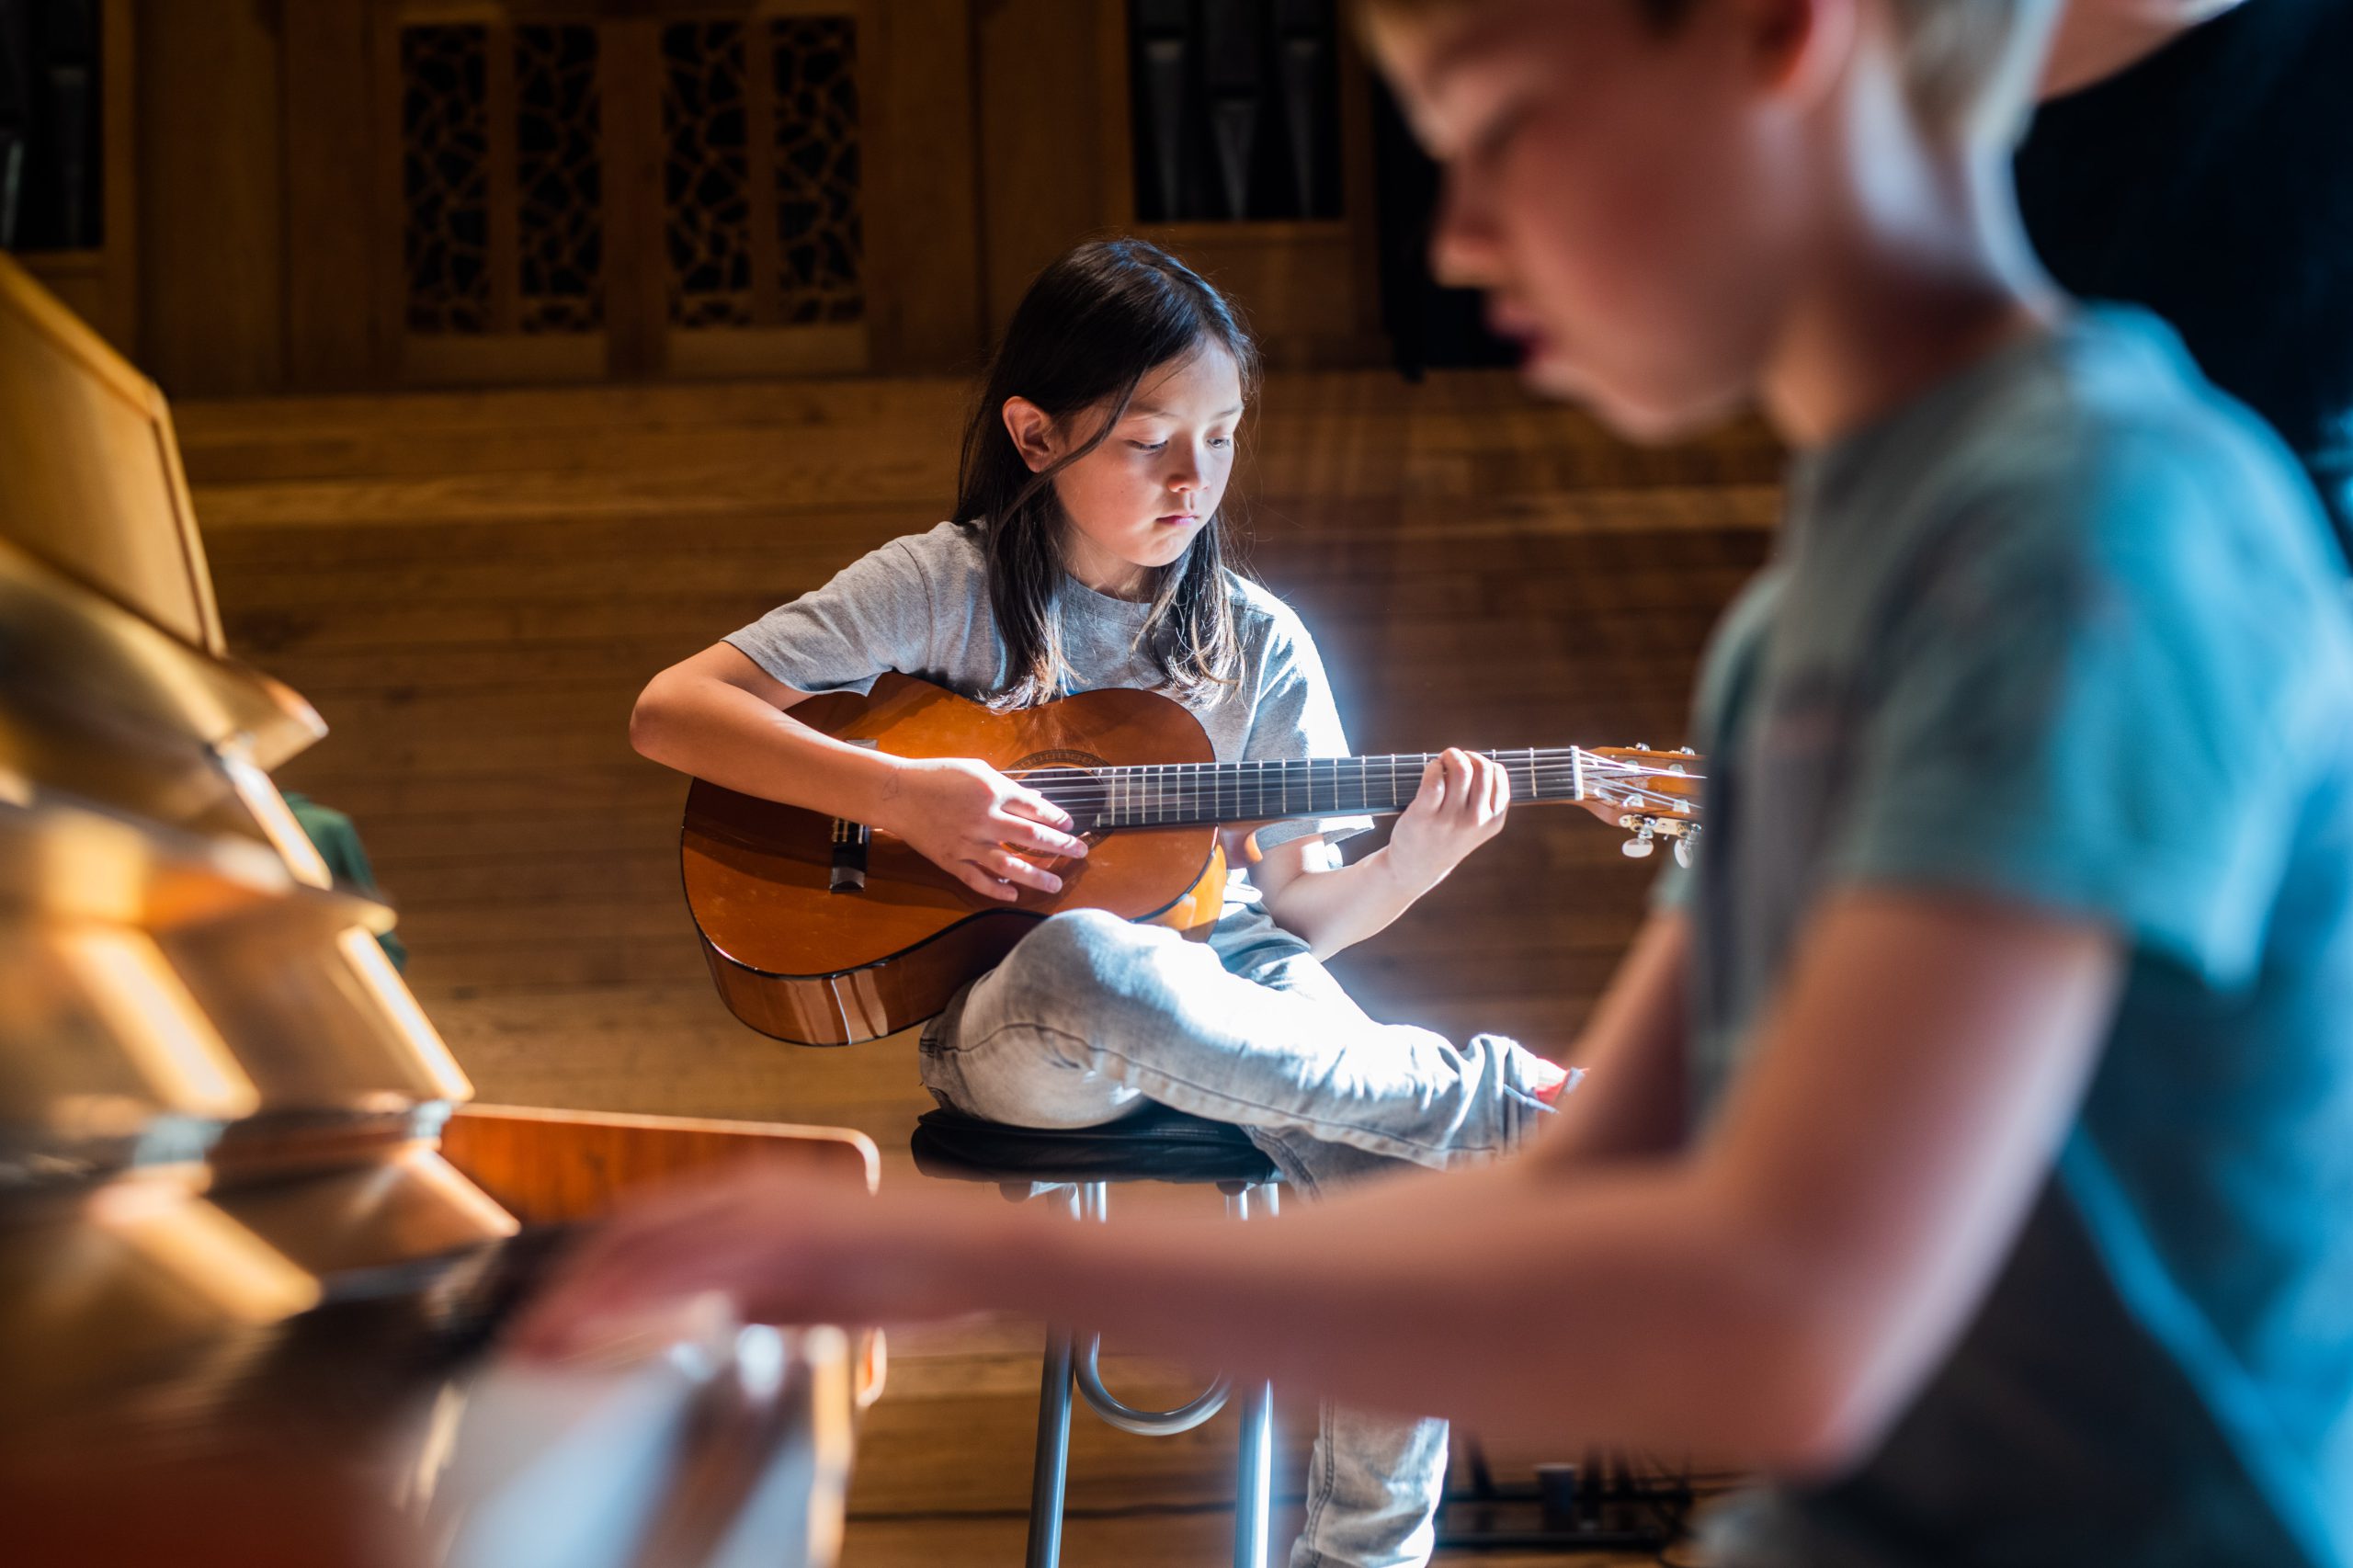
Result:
[1084,956]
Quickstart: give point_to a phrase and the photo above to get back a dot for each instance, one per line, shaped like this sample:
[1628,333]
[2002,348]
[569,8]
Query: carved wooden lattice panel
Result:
[445,177]
[707,174]
[560,178]
[761,229]
[819,210]
[547,166]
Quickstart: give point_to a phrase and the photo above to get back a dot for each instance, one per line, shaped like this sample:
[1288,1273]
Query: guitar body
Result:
[799,960]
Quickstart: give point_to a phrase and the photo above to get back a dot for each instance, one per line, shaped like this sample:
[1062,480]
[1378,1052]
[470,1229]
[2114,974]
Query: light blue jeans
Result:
[1091,1016]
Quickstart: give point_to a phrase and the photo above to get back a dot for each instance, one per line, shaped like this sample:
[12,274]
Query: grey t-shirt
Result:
[920,605]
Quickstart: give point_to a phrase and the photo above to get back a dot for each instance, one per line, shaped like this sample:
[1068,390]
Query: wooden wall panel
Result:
[996,138]
[334,258]
[210,193]
[1041,145]
[923,226]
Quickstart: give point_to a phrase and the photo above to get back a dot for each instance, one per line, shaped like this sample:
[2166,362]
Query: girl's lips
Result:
[1175,518]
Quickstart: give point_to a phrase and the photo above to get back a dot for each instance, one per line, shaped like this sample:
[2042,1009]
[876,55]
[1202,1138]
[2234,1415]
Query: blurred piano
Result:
[253,1242]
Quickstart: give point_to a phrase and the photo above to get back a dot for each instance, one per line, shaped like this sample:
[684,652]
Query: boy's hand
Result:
[1460,806]
[978,826]
[782,1245]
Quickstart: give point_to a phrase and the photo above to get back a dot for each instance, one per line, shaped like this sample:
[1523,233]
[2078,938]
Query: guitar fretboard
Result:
[1191,794]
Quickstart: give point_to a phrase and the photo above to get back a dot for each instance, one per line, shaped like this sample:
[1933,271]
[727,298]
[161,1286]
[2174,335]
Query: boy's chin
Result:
[1645,419]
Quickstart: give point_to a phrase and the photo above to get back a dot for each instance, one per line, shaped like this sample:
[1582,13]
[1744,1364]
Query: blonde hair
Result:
[1971,65]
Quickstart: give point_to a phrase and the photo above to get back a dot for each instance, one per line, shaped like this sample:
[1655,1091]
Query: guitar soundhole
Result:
[1075,763]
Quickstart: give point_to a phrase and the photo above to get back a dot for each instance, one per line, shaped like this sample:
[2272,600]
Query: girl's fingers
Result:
[1031,804]
[1014,870]
[1035,837]
[1458,779]
[1433,790]
[981,879]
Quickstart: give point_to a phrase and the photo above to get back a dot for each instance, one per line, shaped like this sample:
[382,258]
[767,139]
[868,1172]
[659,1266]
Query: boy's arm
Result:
[1633,1100]
[1776,1297]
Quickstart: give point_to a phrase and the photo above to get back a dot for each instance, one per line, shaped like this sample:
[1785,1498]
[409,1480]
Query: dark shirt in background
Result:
[2212,182]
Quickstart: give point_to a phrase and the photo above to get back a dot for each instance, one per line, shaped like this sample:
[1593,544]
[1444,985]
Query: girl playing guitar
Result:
[1088,551]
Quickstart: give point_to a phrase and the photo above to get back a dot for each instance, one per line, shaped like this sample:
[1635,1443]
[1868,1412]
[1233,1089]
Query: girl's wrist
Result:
[1408,882]
[884,784]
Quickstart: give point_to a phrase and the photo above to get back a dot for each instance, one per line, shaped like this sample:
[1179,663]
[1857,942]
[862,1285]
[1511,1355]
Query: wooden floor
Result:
[1196,1540]
[472,587]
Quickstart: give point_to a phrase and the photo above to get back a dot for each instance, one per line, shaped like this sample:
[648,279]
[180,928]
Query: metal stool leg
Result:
[1095,1204]
[1254,1479]
[1049,1477]
[1047,1480]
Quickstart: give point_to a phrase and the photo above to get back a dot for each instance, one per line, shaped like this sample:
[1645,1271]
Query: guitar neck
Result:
[1216,794]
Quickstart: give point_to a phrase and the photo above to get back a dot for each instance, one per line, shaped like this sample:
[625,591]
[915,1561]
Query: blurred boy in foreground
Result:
[1969,1139]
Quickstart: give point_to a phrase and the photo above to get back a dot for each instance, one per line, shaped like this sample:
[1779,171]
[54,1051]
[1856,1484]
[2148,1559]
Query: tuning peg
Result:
[1642,845]
[1683,853]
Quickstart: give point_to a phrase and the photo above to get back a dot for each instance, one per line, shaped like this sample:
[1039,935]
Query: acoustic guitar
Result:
[822,932]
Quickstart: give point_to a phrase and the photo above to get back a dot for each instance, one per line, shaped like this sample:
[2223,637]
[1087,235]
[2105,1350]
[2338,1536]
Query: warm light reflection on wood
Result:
[449,1081]
[156,1022]
[209,1254]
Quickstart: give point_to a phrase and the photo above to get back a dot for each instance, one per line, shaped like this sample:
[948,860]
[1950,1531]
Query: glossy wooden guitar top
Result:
[758,874]
[818,933]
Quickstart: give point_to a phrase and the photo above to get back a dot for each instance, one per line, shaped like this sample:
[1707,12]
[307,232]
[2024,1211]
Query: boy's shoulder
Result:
[2102,443]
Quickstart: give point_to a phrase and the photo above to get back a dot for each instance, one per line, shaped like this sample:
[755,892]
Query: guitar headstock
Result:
[1651,794]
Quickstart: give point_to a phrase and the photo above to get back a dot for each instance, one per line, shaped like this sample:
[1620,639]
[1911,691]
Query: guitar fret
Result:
[1269,789]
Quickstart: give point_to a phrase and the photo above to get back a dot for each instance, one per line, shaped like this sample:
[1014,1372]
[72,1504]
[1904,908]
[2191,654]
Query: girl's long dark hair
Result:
[1091,327]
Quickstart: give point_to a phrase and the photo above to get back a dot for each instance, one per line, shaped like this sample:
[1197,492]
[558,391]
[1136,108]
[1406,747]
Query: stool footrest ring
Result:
[1145,1423]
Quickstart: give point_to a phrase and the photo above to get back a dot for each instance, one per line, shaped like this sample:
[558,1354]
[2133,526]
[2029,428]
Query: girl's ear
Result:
[1032,430]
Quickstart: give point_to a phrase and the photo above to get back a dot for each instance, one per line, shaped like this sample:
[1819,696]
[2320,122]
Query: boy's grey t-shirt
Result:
[920,606]
[2066,632]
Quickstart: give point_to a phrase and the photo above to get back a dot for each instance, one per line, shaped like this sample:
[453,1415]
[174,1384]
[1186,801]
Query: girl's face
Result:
[1136,501]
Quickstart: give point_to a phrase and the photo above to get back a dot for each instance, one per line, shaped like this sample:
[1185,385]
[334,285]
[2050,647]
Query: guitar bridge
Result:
[850,839]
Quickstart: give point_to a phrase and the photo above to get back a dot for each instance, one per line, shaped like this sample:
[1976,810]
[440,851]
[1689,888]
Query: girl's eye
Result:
[1148,446]
[1221,441]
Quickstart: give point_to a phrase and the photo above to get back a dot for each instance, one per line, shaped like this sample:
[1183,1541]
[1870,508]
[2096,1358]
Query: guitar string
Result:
[1210,774]
[1177,789]
[1515,757]
[1164,791]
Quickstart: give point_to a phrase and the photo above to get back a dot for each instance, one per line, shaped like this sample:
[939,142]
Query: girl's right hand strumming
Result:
[978,826]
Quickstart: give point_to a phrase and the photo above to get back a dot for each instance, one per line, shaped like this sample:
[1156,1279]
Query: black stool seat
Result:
[1154,1144]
